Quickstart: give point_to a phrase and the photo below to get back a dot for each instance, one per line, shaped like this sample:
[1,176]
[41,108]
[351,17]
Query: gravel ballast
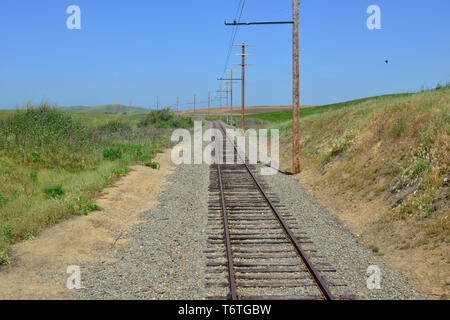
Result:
[338,246]
[164,259]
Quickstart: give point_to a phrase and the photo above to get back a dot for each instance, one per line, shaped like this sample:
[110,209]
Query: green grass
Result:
[114,109]
[286,115]
[393,146]
[53,163]
[52,192]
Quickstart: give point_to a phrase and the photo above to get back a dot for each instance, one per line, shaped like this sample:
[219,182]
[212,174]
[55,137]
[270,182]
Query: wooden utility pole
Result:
[178,102]
[220,97]
[296,92]
[194,102]
[231,95]
[157,103]
[243,54]
[209,101]
[228,94]
[296,79]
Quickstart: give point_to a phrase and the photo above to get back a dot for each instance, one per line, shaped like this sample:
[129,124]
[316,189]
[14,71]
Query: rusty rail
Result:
[319,281]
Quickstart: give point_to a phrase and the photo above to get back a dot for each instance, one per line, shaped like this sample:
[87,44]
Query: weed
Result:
[397,129]
[34,176]
[338,146]
[81,206]
[52,192]
[112,153]
[153,165]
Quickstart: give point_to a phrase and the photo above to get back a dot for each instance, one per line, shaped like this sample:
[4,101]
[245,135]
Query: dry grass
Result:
[394,148]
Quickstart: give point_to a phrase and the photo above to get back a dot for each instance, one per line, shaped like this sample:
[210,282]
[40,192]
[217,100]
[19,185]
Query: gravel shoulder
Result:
[165,256]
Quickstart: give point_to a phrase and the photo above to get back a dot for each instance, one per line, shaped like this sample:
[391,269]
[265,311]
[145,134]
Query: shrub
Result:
[45,137]
[112,153]
[165,119]
[153,164]
[52,192]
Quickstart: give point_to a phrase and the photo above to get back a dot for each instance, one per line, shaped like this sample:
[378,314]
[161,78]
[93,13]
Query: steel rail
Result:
[314,273]
[231,276]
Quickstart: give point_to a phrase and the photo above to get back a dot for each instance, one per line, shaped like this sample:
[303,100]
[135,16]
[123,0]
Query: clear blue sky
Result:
[138,49]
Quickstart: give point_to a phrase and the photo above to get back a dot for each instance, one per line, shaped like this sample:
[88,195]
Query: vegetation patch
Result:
[43,149]
[44,137]
[112,153]
[52,192]
[153,164]
[394,148]
[81,206]
[165,119]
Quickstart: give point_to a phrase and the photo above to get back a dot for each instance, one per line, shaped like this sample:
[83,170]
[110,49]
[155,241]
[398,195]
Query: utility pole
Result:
[209,101]
[220,98]
[296,79]
[223,90]
[231,95]
[157,103]
[243,54]
[194,102]
[228,93]
[231,91]
[178,102]
[296,91]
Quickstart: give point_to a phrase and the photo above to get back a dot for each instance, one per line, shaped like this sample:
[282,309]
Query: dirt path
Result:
[38,269]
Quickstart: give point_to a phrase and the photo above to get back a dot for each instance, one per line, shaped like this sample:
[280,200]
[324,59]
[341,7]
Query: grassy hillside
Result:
[116,109]
[394,147]
[286,115]
[382,165]
[52,163]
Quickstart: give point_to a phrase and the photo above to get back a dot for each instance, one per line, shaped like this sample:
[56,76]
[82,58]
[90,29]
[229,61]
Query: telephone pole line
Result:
[209,101]
[295,82]
[221,90]
[231,95]
[194,102]
[230,82]
[243,54]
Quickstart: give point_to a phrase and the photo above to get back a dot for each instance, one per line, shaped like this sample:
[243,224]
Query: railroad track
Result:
[256,250]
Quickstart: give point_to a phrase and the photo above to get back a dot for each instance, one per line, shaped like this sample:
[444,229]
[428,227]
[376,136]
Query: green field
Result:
[53,163]
[116,109]
[283,116]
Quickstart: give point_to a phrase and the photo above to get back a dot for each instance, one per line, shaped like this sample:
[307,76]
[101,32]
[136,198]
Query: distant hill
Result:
[106,109]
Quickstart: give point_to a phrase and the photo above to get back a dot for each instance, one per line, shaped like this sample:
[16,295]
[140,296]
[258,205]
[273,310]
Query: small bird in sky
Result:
[386,61]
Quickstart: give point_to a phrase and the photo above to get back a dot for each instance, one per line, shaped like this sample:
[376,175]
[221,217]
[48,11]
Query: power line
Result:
[239,12]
